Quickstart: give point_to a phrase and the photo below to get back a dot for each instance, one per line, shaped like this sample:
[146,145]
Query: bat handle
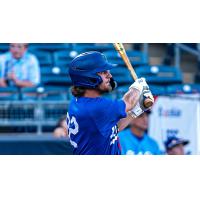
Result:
[148,103]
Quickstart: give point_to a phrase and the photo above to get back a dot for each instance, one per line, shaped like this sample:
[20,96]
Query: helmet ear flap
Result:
[95,81]
[113,84]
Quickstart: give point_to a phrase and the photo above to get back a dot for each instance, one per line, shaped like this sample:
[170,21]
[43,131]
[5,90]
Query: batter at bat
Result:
[94,121]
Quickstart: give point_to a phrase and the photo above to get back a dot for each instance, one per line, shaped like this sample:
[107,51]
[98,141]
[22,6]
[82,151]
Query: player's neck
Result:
[92,93]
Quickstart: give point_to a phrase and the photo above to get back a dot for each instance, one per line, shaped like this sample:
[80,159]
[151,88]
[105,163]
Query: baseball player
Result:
[94,121]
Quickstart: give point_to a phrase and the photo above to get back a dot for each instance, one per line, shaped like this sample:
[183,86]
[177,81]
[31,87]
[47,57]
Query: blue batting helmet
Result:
[84,68]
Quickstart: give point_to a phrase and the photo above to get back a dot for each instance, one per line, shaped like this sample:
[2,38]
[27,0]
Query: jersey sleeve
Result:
[107,113]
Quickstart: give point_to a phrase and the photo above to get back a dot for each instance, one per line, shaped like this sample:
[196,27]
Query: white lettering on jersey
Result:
[74,130]
[114,136]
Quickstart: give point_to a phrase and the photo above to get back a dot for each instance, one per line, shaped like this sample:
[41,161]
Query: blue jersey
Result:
[92,125]
[131,144]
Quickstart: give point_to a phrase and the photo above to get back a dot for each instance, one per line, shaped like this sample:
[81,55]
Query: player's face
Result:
[177,150]
[105,85]
[17,49]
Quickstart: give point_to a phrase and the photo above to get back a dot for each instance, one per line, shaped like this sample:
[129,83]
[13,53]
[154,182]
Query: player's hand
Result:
[140,84]
[140,108]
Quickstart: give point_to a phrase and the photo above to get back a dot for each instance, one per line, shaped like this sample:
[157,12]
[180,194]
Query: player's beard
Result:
[104,90]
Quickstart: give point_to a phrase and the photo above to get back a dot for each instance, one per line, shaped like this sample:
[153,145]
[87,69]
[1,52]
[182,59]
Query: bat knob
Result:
[148,103]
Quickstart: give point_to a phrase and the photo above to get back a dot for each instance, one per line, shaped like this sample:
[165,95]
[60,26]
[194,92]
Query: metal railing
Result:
[182,47]
[32,113]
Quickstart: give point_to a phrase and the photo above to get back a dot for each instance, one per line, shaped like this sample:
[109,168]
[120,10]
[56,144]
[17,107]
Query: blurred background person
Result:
[61,129]
[175,146]
[136,141]
[18,67]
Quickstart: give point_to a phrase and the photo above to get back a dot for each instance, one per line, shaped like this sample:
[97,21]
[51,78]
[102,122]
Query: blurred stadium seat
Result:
[49,70]
[9,93]
[4,47]
[158,90]
[50,47]
[44,57]
[162,75]
[82,47]
[56,80]
[183,89]
[62,58]
[136,57]
[121,75]
[43,93]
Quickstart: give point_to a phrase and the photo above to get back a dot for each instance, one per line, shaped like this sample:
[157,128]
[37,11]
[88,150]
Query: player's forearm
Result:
[123,123]
[131,98]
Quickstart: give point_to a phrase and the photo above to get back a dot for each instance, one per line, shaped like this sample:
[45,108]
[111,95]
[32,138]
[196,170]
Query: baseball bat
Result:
[120,48]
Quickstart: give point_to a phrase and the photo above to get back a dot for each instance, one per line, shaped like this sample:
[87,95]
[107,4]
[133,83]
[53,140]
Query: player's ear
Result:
[113,83]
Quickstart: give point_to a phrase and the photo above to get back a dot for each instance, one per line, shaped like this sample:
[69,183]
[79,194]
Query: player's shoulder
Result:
[102,103]
[96,101]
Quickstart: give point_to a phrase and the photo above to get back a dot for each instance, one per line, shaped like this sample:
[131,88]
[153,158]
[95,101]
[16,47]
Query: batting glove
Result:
[136,111]
[140,84]
[140,108]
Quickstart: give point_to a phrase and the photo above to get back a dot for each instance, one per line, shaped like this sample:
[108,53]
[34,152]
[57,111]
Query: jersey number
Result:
[72,122]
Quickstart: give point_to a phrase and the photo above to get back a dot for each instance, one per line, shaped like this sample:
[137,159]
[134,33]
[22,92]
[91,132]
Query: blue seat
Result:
[56,93]
[158,90]
[49,70]
[119,70]
[163,75]
[183,89]
[4,47]
[121,75]
[62,58]
[45,93]
[136,57]
[50,47]
[56,80]
[43,57]
[155,89]
[123,80]
[9,93]
[82,47]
